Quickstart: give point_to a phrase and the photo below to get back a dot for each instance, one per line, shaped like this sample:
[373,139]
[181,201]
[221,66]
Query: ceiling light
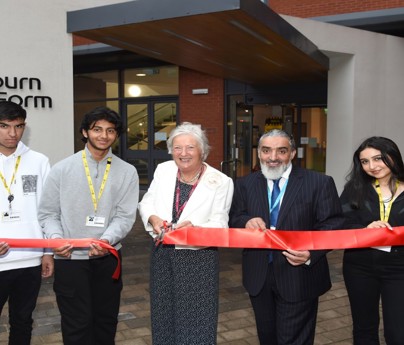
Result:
[250,32]
[134,91]
[130,45]
[226,66]
[270,60]
[190,40]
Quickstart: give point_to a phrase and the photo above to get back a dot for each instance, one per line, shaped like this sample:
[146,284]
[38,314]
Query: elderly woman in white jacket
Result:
[184,280]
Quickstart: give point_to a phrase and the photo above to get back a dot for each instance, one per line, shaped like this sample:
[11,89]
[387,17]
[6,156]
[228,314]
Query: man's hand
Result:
[97,250]
[256,223]
[64,251]
[296,257]
[47,266]
[4,247]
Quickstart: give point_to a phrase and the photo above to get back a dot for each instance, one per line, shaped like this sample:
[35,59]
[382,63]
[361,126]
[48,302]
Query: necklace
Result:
[192,179]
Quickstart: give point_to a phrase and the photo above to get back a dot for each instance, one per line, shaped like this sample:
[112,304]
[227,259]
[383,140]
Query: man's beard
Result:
[273,173]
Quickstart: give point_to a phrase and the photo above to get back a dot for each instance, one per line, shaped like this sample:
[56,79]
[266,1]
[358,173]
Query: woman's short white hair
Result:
[194,130]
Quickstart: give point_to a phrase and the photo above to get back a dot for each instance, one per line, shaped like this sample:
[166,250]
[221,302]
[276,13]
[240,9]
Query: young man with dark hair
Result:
[91,194]
[22,174]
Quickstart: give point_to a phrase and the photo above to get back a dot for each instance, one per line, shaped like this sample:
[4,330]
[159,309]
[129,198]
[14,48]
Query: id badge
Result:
[11,216]
[95,221]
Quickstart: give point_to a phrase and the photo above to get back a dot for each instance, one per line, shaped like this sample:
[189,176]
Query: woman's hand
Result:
[380,224]
[184,224]
[158,224]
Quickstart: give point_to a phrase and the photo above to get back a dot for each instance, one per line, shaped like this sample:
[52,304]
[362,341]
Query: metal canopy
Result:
[242,40]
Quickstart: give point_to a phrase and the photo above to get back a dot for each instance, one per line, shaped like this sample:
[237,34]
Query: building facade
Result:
[322,79]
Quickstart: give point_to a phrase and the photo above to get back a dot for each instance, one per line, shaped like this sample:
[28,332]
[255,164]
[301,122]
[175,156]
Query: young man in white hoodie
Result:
[22,175]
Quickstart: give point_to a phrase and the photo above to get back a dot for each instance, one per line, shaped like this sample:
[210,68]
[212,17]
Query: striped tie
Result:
[274,210]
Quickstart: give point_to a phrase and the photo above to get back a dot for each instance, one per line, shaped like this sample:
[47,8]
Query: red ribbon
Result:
[281,239]
[59,242]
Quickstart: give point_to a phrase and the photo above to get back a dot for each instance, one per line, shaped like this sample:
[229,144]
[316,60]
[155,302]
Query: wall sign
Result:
[29,88]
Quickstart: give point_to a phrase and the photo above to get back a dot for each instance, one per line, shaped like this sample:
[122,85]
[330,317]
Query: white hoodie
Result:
[26,189]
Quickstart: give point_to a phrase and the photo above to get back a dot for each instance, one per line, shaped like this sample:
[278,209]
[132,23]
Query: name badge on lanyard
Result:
[95,220]
[10,216]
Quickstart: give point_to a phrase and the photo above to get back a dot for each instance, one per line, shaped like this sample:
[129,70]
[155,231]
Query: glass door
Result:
[244,144]
[149,123]
[247,121]
[307,124]
[240,146]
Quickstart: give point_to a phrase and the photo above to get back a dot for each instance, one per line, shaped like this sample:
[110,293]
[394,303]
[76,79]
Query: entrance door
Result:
[244,144]
[149,122]
[246,123]
[239,160]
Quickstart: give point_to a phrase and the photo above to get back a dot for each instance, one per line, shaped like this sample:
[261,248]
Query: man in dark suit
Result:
[284,286]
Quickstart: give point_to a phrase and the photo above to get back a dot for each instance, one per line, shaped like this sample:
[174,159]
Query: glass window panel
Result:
[314,131]
[142,167]
[98,85]
[165,117]
[137,116]
[153,81]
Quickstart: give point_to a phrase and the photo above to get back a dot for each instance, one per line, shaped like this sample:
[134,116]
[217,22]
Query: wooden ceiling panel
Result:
[232,44]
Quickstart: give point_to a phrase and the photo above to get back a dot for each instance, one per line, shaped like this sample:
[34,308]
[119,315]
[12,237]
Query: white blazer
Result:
[208,206]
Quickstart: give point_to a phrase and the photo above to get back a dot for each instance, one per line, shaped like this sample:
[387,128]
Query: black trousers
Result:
[88,299]
[280,322]
[20,287]
[370,276]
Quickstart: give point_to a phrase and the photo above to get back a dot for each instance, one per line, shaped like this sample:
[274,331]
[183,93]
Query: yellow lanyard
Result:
[384,212]
[6,186]
[90,182]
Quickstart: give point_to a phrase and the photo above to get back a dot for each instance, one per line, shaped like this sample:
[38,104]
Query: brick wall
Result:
[314,8]
[206,110]
[79,41]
